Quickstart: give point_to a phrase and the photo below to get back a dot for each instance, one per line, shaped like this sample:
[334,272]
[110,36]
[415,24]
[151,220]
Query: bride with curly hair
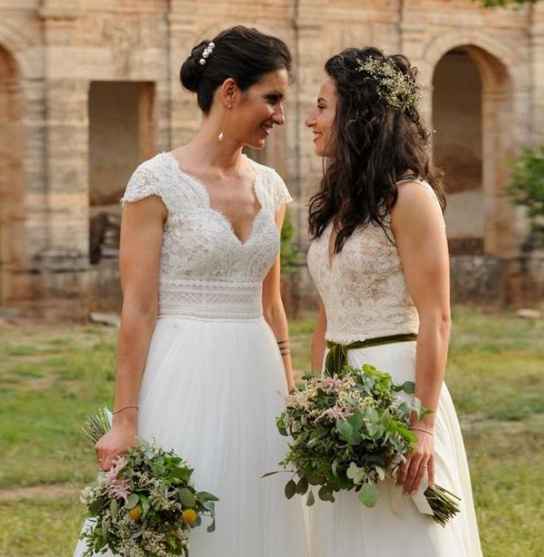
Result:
[379,259]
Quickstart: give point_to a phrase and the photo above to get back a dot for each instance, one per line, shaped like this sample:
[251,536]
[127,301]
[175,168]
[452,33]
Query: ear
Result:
[229,93]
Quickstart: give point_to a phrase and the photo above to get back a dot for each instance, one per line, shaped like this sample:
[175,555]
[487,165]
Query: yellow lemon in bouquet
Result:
[190,517]
[135,513]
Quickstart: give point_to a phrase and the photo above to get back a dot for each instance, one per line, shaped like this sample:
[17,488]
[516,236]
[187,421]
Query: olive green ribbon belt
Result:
[337,356]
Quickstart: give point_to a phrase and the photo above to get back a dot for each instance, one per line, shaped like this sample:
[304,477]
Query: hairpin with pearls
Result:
[207,53]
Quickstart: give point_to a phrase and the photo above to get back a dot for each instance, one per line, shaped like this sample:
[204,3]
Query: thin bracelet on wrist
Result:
[124,408]
[423,430]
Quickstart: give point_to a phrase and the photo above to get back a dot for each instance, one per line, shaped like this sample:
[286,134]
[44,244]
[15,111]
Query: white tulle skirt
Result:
[395,528]
[211,391]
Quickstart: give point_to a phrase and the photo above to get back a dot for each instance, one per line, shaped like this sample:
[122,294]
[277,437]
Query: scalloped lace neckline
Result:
[202,188]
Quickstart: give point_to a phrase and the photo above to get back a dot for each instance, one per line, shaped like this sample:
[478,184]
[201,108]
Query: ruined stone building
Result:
[89,88]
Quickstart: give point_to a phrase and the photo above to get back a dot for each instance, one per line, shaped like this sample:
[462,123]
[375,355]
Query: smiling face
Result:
[258,109]
[321,119]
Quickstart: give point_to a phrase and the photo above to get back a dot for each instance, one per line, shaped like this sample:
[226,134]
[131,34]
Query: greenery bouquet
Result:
[145,505]
[350,431]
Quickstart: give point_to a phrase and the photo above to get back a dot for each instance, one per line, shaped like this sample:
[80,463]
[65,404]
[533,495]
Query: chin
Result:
[319,151]
[257,144]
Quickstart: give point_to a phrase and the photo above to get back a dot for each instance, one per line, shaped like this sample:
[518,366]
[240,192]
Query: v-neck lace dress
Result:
[213,381]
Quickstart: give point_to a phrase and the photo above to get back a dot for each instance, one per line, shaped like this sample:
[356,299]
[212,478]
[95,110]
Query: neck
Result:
[206,149]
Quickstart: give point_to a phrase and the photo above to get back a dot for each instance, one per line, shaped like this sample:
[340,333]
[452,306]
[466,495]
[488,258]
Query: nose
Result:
[310,120]
[279,115]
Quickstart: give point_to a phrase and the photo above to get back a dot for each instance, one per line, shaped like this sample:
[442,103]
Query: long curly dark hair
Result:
[375,145]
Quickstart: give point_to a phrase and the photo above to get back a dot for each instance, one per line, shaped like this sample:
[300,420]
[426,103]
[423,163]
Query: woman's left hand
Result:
[418,462]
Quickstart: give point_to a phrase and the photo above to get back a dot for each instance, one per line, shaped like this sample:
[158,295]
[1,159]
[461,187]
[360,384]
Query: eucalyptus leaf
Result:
[114,508]
[206,496]
[310,500]
[145,504]
[290,489]
[368,495]
[326,494]
[302,486]
[345,430]
[187,498]
[132,501]
[409,387]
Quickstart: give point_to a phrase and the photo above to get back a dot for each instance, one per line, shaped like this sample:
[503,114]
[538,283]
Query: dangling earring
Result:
[221,134]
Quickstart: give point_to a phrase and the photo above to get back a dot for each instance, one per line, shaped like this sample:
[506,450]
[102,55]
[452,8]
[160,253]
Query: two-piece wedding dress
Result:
[214,381]
[365,296]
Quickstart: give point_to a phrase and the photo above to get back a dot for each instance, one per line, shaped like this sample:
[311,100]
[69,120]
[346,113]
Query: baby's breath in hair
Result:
[396,89]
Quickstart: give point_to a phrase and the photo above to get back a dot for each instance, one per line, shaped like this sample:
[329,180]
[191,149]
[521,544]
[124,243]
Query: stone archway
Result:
[457,148]
[11,180]
[487,62]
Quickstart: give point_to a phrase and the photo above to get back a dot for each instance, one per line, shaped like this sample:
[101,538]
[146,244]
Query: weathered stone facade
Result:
[90,87]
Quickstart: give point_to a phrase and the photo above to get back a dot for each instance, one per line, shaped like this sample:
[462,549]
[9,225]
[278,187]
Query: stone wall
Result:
[58,56]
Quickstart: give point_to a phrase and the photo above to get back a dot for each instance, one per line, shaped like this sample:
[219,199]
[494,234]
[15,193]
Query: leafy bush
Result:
[289,248]
[527,190]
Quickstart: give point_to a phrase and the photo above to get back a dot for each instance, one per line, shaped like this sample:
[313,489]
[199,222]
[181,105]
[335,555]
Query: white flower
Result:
[356,474]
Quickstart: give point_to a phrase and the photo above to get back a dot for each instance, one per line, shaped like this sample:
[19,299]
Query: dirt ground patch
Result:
[39,492]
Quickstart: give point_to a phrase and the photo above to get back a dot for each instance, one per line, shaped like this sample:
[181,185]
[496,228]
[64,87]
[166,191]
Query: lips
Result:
[267,129]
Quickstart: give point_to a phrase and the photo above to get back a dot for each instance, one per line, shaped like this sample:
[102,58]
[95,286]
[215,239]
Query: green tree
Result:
[527,190]
[289,249]
[502,3]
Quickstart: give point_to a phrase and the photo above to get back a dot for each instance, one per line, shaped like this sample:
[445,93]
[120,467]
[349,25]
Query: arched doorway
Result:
[11,180]
[473,142]
[457,147]
[121,113]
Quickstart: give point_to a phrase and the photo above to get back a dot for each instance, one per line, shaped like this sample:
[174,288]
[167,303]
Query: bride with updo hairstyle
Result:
[203,349]
[379,259]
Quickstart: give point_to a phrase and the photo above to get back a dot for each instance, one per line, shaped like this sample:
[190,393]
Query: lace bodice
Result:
[205,270]
[363,289]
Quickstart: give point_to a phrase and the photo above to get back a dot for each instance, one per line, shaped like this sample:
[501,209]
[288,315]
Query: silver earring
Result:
[220,136]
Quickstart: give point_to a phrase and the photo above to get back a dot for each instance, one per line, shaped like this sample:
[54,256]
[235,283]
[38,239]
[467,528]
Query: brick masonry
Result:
[51,51]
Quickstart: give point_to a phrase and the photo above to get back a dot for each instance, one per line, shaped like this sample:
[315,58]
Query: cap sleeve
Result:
[143,183]
[279,192]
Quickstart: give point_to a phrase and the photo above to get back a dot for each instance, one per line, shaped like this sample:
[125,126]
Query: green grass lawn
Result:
[51,378]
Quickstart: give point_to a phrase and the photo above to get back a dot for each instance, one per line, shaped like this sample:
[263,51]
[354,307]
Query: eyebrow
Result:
[276,93]
[321,99]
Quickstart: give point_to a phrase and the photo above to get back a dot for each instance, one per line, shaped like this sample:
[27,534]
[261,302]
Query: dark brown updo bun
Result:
[241,53]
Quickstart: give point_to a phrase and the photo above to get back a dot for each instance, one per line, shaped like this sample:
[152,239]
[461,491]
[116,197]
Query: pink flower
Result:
[119,463]
[119,489]
[331,384]
[336,413]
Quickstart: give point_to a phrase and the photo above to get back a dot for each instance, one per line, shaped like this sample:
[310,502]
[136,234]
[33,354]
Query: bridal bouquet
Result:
[349,432]
[145,505]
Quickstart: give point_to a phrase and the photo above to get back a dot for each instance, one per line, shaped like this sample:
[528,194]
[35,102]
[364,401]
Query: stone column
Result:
[497,148]
[184,116]
[412,40]
[36,218]
[537,69]
[306,167]
[65,261]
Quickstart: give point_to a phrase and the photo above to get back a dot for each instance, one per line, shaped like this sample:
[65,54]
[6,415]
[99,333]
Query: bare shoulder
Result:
[417,206]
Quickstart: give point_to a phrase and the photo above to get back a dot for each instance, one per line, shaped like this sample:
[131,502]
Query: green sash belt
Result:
[337,356]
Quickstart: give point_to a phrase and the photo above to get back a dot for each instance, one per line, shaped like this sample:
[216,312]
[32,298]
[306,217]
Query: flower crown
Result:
[395,88]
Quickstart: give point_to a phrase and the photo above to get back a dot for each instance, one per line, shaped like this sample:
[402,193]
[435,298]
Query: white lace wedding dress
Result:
[365,296]
[214,380]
